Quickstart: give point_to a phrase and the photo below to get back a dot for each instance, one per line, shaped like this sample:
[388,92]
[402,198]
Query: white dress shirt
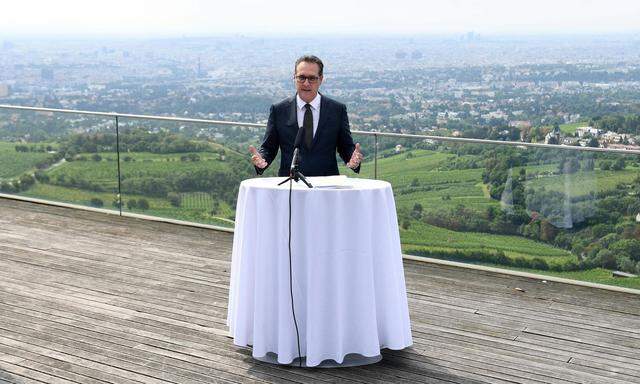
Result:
[315,111]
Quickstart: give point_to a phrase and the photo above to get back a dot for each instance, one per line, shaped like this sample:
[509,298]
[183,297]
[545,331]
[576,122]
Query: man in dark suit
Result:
[324,123]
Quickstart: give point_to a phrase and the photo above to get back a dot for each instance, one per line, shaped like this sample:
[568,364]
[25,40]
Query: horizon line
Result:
[314,36]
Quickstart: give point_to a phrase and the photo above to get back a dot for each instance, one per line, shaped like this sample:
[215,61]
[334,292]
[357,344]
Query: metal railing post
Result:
[118,161]
[375,156]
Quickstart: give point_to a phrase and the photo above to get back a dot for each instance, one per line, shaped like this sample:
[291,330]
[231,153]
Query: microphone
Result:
[296,149]
[294,161]
[294,174]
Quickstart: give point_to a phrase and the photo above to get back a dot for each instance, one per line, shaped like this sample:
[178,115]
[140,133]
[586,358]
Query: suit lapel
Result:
[324,113]
[292,120]
[293,113]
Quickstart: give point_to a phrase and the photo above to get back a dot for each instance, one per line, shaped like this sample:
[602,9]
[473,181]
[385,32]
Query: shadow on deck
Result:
[92,298]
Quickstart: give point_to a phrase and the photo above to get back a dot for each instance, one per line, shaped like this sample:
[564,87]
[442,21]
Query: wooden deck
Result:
[93,298]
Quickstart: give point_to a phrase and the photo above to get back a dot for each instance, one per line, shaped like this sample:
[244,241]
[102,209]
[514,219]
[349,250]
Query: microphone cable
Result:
[293,311]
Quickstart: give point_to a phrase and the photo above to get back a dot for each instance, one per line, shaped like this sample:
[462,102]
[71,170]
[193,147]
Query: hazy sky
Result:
[254,17]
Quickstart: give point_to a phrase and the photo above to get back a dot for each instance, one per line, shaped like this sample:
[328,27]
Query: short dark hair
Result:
[309,59]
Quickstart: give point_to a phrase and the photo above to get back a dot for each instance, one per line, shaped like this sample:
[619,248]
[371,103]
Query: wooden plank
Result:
[586,337]
[64,275]
[537,367]
[520,347]
[549,310]
[136,304]
[218,327]
[457,372]
[96,280]
[58,368]
[56,325]
[19,374]
[567,343]
[564,293]
[81,266]
[372,378]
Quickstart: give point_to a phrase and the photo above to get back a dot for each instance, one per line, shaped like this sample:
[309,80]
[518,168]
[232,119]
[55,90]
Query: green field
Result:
[429,237]
[570,129]
[418,180]
[195,206]
[581,183]
[13,163]
[105,172]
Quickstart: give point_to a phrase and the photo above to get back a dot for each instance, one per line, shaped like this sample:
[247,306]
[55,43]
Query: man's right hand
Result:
[256,158]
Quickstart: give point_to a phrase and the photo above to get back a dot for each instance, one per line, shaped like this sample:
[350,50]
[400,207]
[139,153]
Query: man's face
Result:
[309,73]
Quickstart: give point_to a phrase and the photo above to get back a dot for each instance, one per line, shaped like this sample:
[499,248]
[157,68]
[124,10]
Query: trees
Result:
[132,204]
[626,247]
[95,202]
[606,259]
[215,207]
[143,204]
[568,166]
[7,187]
[416,212]
[26,181]
[41,176]
[548,231]
[589,164]
[174,198]
[619,164]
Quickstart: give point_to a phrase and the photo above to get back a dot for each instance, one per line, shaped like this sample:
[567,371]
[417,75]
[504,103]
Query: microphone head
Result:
[295,158]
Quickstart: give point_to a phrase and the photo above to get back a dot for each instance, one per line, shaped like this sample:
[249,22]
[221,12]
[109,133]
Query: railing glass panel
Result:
[68,158]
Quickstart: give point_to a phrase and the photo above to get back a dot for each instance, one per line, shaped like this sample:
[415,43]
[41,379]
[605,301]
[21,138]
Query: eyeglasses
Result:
[301,79]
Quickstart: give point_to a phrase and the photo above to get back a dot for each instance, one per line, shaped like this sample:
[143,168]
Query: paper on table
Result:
[339,181]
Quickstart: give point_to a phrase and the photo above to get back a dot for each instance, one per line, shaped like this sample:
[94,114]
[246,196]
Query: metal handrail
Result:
[132,116]
[364,133]
[498,142]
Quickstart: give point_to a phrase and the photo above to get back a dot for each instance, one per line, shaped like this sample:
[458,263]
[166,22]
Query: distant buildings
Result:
[582,131]
[498,115]
[553,137]
[570,141]
[590,136]
[613,137]
[520,124]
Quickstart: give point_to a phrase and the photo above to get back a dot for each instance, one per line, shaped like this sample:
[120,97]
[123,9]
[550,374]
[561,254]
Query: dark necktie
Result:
[307,124]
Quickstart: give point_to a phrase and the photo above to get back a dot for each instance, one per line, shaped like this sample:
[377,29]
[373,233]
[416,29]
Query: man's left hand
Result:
[356,157]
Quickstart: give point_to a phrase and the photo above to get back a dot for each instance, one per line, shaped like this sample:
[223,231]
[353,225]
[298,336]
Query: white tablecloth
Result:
[348,280]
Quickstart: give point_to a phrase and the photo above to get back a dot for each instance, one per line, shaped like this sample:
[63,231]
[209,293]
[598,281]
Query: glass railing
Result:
[566,211]
[170,169]
[68,158]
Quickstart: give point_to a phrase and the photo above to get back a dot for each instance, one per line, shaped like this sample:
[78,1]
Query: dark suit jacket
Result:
[332,135]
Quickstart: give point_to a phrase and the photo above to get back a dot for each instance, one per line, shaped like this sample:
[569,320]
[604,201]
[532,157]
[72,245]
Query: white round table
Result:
[348,279]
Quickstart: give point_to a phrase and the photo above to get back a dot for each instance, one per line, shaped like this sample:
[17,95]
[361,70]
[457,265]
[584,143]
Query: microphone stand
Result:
[294,172]
[294,175]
